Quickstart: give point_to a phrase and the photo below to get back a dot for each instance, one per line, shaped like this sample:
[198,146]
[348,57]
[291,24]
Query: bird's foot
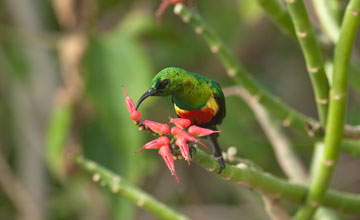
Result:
[192,149]
[221,161]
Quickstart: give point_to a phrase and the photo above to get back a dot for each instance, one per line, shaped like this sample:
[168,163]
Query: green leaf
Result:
[112,60]
[59,126]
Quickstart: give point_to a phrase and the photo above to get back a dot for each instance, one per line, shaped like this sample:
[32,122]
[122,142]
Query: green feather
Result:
[188,90]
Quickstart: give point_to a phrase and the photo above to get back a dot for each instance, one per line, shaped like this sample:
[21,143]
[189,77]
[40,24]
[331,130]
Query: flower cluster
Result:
[163,143]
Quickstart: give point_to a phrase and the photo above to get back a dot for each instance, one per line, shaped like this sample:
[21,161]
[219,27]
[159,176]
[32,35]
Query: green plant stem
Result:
[335,6]
[239,75]
[328,22]
[328,17]
[120,186]
[57,134]
[273,186]
[279,15]
[351,147]
[241,174]
[336,115]
[312,54]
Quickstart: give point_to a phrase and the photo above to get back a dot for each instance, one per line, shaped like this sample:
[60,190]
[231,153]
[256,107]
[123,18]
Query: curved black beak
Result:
[148,93]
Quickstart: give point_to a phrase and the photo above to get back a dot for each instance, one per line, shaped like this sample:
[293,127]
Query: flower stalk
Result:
[266,183]
[118,185]
[312,54]
[241,173]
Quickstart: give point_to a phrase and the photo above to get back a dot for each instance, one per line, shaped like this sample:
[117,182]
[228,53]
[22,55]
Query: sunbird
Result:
[194,97]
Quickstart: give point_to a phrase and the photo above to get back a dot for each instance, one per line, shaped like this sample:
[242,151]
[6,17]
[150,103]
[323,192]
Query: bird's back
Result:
[210,108]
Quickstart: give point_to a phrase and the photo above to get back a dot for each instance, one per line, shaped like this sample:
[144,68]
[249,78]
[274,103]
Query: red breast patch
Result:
[197,116]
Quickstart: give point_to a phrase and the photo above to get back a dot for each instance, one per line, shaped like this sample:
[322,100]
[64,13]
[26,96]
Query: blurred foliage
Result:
[127,47]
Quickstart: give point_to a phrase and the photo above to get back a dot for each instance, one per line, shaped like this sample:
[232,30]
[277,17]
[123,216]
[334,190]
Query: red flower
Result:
[134,114]
[180,122]
[200,132]
[178,133]
[184,148]
[164,151]
[157,127]
[154,144]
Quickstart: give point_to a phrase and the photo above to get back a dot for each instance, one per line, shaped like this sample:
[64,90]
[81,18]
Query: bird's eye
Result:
[164,83]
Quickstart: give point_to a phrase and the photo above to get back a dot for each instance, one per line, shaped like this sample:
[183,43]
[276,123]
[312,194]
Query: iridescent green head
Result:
[168,81]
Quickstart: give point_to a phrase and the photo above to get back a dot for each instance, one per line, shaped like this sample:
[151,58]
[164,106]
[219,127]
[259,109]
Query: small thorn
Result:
[115,188]
[96,177]
[140,203]
[178,8]
[354,12]
[302,34]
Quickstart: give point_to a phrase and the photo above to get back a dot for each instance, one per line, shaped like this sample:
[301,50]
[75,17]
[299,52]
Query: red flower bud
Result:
[154,144]
[157,127]
[134,114]
[200,132]
[184,148]
[180,122]
[164,151]
[178,133]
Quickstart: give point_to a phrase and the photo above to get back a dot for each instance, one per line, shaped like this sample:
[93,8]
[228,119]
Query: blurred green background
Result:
[58,97]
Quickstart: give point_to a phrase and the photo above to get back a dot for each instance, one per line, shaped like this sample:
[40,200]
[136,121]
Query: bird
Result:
[194,97]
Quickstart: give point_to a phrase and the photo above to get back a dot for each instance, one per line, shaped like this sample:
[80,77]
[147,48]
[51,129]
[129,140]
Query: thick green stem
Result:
[312,54]
[241,174]
[328,22]
[279,15]
[328,13]
[271,7]
[271,185]
[335,125]
[351,147]
[239,75]
[118,185]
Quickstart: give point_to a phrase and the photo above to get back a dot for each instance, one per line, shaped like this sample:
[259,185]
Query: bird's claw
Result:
[192,150]
[222,164]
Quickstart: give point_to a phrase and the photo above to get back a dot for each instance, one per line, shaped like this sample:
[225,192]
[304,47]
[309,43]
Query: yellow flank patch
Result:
[179,110]
[212,104]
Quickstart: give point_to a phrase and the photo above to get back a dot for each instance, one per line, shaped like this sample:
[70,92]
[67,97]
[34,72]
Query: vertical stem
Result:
[312,54]
[335,125]
[328,12]
[328,22]
[279,15]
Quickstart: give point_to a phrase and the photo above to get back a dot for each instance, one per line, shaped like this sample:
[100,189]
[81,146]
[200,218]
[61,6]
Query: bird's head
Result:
[167,82]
